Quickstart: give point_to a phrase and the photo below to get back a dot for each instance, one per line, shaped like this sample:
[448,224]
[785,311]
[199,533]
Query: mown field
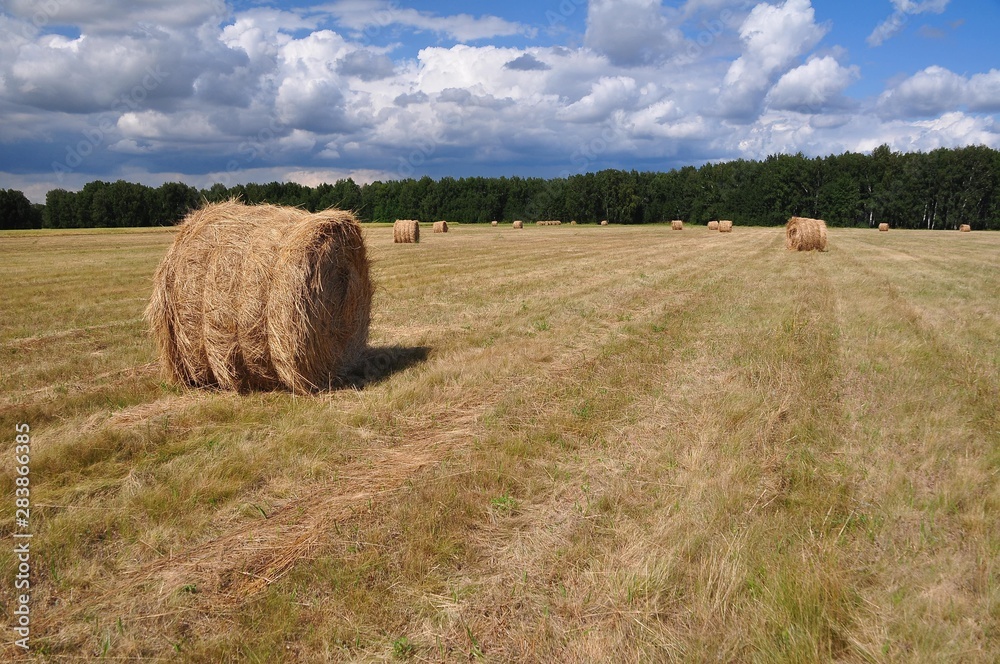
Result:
[573,444]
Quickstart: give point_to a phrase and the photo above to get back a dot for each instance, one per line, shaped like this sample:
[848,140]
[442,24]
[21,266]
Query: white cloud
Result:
[937,90]
[774,38]
[891,26]
[631,32]
[372,16]
[117,17]
[815,86]
[607,95]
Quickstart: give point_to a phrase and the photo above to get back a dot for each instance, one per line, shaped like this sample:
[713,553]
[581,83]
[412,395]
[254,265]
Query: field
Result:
[569,444]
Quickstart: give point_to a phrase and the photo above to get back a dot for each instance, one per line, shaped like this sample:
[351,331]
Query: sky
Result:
[210,91]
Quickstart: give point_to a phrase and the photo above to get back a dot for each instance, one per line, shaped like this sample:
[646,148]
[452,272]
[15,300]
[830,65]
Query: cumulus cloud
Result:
[365,65]
[631,32]
[813,87]
[896,21]
[372,16]
[936,90]
[527,62]
[607,95]
[774,38]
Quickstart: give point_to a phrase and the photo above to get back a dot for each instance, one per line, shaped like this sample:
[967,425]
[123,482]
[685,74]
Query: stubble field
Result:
[569,444]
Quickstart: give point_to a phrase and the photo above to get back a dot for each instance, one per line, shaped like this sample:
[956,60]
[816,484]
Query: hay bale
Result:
[494,223]
[713,225]
[406,231]
[518,224]
[883,228]
[726,226]
[604,223]
[677,225]
[440,226]
[965,228]
[260,297]
[803,234]
[573,222]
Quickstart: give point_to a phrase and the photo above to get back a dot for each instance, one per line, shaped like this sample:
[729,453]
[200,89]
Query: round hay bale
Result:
[440,226]
[965,228]
[677,225]
[573,222]
[713,225]
[803,234]
[406,231]
[518,224]
[604,223]
[883,228]
[494,223]
[726,226]
[260,297]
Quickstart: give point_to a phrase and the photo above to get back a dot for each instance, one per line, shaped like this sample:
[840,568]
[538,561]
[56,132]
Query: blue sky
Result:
[207,91]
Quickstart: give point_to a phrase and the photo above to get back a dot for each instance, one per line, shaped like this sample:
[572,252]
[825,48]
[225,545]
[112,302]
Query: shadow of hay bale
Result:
[377,363]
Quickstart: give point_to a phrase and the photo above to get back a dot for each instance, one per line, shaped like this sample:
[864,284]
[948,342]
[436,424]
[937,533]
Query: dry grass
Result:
[522,473]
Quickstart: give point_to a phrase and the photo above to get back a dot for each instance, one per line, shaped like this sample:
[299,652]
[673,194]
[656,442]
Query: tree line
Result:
[935,190]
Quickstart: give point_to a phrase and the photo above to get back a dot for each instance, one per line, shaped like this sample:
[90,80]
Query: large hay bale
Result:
[494,223]
[518,224]
[713,225]
[440,226]
[883,228]
[259,297]
[406,231]
[604,223]
[803,234]
[726,226]
[965,228]
[677,225]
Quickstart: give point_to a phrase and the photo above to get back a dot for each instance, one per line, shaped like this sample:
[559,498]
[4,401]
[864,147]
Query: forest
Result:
[941,189]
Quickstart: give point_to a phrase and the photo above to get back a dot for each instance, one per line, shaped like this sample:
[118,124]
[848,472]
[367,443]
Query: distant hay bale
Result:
[440,226]
[965,228]
[713,225]
[802,234]
[541,223]
[573,222]
[261,297]
[604,223]
[726,226]
[518,224]
[883,228]
[406,231]
[494,223]
[677,225]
